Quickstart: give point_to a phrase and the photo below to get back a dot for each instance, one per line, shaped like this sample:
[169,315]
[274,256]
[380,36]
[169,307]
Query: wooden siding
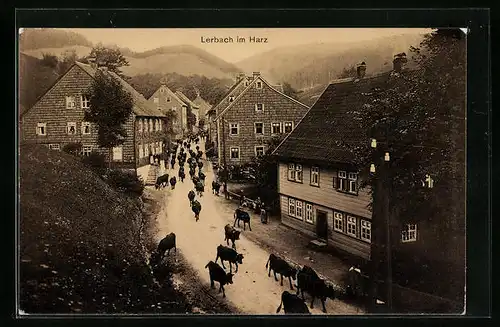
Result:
[277,108]
[325,194]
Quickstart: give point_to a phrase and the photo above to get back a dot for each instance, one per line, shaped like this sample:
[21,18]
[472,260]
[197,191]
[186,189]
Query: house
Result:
[167,101]
[212,129]
[318,186]
[250,114]
[204,108]
[191,107]
[57,119]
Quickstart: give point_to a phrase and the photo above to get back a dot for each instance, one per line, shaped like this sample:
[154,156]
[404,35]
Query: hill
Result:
[306,66]
[39,38]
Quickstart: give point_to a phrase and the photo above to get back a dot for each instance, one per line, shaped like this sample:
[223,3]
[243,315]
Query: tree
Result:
[111,58]
[110,108]
[67,59]
[290,91]
[348,72]
[50,60]
[419,120]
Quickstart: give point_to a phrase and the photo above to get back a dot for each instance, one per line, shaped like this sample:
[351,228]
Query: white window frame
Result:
[255,128]
[291,172]
[409,233]
[70,102]
[366,230]
[237,126]
[231,152]
[39,130]
[353,183]
[314,173]
[342,180]
[141,151]
[86,123]
[145,124]
[118,150]
[258,147]
[299,174]
[290,123]
[151,129]
[231,98]
[146,150]
[68,126]
[309,213]
[156,100]
[247,83]
[140,126]
[169,99]
[351,221]
[55,146]
[258,85]
[291,204]
[86,150]
[84,102]
[299,205]
[273,125]
[338,222]
[153,150]
[257,107]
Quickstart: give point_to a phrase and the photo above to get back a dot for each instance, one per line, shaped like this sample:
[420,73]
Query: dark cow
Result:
[200,188]
[309,281]
[191,197]
[215,187]
[228,254]
[166,244]
[161,181]
[231,234]
[218,274]
[197,148]
[196,208]
[173,181]
[242,215]
[202,176]
[292,304]
[200,164]
[280,266]
[182,175]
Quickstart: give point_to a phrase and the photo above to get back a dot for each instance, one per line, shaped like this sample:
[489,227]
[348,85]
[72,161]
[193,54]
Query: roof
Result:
[185,99]
[321,133]
[203,105]
[278,87]
[170,92]
[233,91]
[240,94]
[141,106]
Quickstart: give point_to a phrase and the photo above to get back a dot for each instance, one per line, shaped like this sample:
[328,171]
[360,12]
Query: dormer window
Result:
[258,84]
[169,99]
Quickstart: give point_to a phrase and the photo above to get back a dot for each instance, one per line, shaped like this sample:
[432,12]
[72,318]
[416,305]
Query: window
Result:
[153,150]
[150,125]
[161,125]
[291,207]
[259,150]
[169,99]
[71,128]
[295,172]
[162,90]
[85,101]
[70,102]
[118,153]
[156,100]
[54,147]
[86,150]
[275,128]
[298,209]
[247,83]
[288,126]
[258,85]
[146,126]
[140,125]
[351,226]
[259,107]
[235,153]
[86,128]
[353,177]
[309,213]
[315,176]
[259,128]
[338,221]
[155,125]
[146,150]
[141,151]
[409,233]
[233,129]
[231,98]
[366,230]
[342,181]
[41,129]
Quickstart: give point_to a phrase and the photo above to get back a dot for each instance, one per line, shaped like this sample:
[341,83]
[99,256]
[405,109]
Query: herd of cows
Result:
[307,279]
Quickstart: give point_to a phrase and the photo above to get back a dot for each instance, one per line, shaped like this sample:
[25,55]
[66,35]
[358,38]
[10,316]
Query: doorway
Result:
[321,224]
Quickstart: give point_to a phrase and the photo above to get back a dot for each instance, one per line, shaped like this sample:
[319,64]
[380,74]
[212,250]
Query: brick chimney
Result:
[361,70]
[399,62]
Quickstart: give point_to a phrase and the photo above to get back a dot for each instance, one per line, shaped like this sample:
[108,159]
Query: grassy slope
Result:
[79,242]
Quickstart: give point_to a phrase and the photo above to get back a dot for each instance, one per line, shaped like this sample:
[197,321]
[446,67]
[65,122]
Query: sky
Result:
[147,39]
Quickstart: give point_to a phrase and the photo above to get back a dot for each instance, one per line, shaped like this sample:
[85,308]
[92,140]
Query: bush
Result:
[74,148]
[95,160]
[125,182]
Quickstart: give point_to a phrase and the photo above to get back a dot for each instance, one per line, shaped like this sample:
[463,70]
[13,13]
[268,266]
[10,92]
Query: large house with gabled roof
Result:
[57,119]
[251,113]
[191,107]
[204,109]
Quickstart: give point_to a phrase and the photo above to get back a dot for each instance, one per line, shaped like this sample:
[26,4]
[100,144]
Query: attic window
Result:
[258,85]
[246,83]
[259,107]
[168,99]
[231,98]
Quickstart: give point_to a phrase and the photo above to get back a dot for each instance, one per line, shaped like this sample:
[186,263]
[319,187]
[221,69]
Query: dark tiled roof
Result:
[320,135]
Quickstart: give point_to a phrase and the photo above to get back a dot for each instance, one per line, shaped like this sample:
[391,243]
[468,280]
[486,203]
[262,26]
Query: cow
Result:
[200,188]
[202,176]
[292,304]
[166,244]
[280,266]
[196,208]
[161,181]
[309,281]
[215,187]
[231,234]
[200,164]
[173,181]
[218,274]
[191,172]
[240,214]
[182,175]
[228,254]
[191,197]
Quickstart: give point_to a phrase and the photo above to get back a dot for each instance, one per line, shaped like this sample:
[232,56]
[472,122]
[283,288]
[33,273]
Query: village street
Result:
[252,292]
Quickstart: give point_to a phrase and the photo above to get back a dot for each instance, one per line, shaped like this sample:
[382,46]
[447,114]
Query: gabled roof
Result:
[170,92]
[233,91]
[141,106]
[329,124]
[186,100]
[278,87]
[204,106]
[249,87]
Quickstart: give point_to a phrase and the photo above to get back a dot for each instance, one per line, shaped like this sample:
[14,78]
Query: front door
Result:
[321,224]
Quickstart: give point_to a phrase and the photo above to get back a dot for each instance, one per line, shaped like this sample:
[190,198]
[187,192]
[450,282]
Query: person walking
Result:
[263,214]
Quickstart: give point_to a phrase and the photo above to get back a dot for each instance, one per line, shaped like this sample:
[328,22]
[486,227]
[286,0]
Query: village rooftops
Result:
[186,100]
[142,107]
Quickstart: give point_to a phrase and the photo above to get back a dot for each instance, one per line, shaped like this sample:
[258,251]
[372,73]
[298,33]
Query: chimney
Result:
[399,62]
[256,74]
[361,70]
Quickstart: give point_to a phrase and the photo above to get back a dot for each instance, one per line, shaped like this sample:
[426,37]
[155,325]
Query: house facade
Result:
[204,109]
[57,119]
[165,100]
[255,113]
[191,107]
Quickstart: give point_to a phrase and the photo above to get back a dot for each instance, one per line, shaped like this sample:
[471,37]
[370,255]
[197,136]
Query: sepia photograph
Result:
[241,171]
